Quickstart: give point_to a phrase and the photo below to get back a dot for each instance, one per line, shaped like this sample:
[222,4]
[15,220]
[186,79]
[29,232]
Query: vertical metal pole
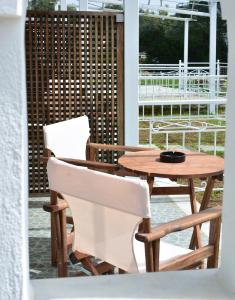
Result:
[57,6]
[167,141]
[186,36]
[150,133]
[213,32]
[83,5]
[63,4]
[131,71]
[218,79]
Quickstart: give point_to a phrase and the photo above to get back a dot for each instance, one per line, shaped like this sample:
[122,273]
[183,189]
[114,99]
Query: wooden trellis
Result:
[74,66]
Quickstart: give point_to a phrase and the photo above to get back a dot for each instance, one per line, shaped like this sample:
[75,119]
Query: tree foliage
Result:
[114,6]
[47,5]
[71,7]
[163,40]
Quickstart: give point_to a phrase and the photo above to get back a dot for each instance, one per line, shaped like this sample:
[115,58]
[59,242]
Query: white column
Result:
[213,32]
[186,38]
[83,5]
[14,275]
[131,70]
[227,271]
[63,4]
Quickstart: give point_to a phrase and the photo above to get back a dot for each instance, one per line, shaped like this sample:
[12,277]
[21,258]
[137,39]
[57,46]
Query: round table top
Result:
[196,165]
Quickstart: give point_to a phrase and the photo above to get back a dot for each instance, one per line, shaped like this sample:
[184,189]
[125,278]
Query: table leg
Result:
[204,205]
[194,209]
[150,181]
[207,193]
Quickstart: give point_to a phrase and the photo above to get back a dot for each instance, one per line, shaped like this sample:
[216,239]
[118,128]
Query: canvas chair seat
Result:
[167,252]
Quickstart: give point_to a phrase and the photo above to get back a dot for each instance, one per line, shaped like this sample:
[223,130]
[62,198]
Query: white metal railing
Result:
[192,86]
[179,109]
[199,67]
[201,136]
[175,81]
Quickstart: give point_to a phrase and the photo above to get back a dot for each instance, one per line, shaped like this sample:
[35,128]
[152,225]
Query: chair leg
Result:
[89,266]
[53,200]
[196,240]
[61,244]
[214,239]
[120,271]
[53,241]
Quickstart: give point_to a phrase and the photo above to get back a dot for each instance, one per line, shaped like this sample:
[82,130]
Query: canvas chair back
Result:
[68,139]
[106,210]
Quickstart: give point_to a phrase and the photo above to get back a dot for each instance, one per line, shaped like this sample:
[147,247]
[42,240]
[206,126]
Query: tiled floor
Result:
[163,210]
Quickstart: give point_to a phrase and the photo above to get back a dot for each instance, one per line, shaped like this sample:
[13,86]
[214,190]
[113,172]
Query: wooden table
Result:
[196,165]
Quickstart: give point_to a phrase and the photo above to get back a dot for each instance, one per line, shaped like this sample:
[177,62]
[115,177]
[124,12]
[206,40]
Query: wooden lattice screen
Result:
[74,65]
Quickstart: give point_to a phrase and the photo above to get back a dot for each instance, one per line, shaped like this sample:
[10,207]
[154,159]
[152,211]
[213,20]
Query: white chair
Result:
[107,210]
[70,140]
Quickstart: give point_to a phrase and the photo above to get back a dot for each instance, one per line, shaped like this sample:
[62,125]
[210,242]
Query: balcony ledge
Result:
[169,285]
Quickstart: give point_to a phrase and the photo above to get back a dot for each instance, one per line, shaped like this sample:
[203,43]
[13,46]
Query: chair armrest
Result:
[52,208]
[180,224]
[91,164]
[87,163]
[117,147]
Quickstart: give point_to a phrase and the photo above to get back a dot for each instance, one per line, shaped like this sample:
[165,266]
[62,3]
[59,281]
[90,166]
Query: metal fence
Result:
[171,82]
[183,107]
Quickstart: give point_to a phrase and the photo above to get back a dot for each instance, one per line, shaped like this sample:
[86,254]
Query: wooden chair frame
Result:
[91,163]
[151,238]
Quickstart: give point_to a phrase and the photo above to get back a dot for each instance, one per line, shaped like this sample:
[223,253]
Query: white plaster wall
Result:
[131,71]
[13,166]
[227,273]
[13,157]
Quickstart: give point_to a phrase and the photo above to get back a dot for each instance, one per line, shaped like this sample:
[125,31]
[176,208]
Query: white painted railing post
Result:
[180,76]
[218,78]
[213,31]
[83,5]
[131,71]
[63,4]
[186,38]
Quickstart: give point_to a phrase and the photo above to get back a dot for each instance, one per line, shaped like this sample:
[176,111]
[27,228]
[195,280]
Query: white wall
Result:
[13,157]
[131,70]
[227,273]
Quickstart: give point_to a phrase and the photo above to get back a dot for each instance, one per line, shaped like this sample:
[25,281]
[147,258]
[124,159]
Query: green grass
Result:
[171,83]
[176,110]
[216,196]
